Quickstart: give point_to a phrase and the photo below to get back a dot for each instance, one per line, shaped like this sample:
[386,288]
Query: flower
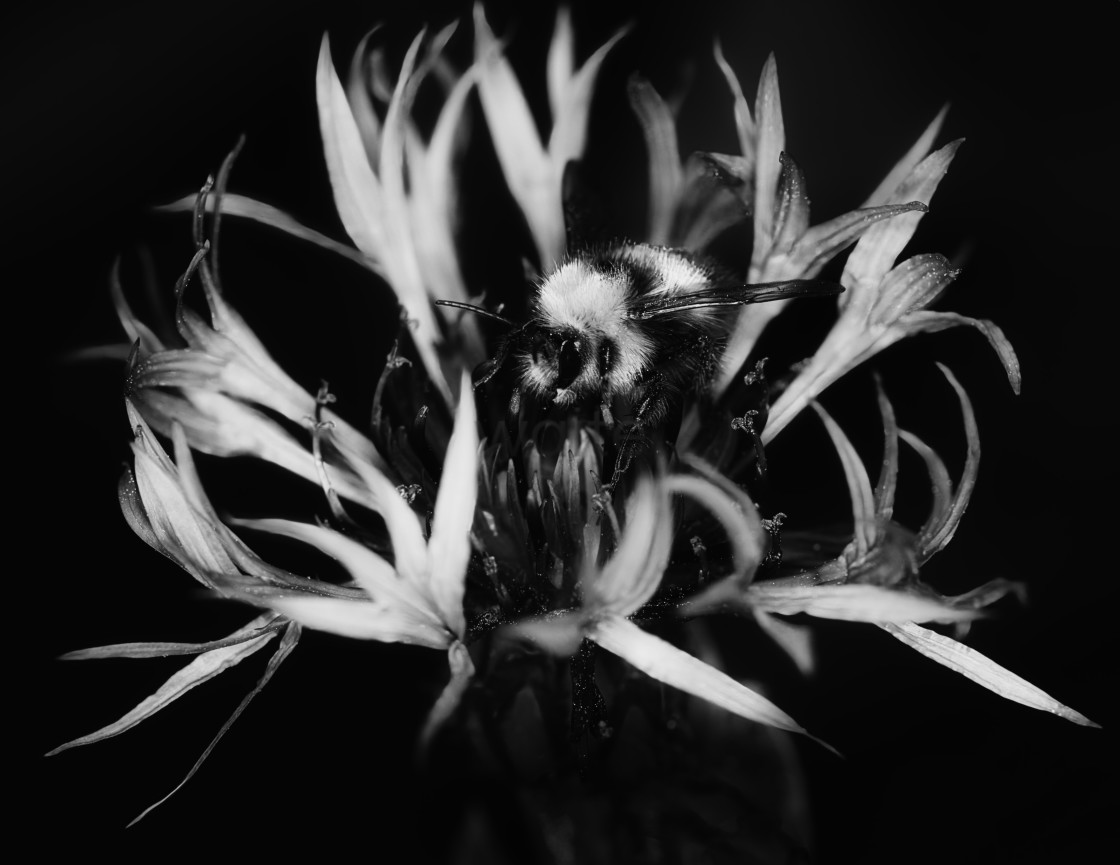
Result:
[470,521]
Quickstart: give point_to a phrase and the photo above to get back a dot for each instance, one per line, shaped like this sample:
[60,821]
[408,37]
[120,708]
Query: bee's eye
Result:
[570,362]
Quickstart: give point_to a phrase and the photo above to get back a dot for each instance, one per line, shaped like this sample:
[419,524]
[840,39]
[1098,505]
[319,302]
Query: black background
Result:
[111,111]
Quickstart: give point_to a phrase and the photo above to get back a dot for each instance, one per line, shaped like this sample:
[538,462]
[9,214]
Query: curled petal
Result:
[929,321]
[888,473]
[859,485]
[742,525]
[982,670]
[791,211]
[821,243]
[944,532]
[633,573]
[666,663]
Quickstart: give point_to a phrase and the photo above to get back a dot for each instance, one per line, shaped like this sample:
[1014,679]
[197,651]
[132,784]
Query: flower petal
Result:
[530,175]
[888,472]
[375,575]
[859,485]
[982,670]
[741,524]
[632,574]
[941,482]
[943,533]
[666,663]
[885,191]
[770,144]
[449,547]
[462,669]
[665,178]
[266,214]
[744,123]
[201,669]
[881,244]
[357,192]
[930,321]
[855,603]
[287,643]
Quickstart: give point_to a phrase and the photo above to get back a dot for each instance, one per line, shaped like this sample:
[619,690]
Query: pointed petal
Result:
[821,243]
[449,546]
[357,192]
[569,121]
[201,669]
[375,575]
[744,123]
[911,286]
[941,482]
[771,143]
[666,663]
[561,59]
[881,244]
[660,134]
[795,640]
[358,95]
[929,321]
[855,603]
[791,211]
[982,670]
[358,620]
[462,669]
[943,533]
[164,650]
[885,190]
[888,472]
[532,179]
[287,643]
[859,485]
[266,214]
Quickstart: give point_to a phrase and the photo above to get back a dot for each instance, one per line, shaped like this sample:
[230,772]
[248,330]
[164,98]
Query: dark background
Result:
[111,111]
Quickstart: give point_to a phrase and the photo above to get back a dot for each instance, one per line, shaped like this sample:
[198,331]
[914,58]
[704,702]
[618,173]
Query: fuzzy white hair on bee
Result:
[627,320]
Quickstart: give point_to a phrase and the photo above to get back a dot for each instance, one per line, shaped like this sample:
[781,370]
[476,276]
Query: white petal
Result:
[201,669]
[375,575]
[982,670]
[859,485]
[877,250]
[885,190]
[357,193]
[744,123]
[632,574]
[266,214]
[660,134]
[449,547]
[530,175]
[855,603]
[359,620]
[462,669]
[741,525]
[771,143]
[666,663]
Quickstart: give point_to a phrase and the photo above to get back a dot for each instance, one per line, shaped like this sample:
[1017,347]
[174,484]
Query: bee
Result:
[627,324]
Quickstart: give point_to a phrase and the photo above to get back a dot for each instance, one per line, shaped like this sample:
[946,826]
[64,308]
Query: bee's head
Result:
[559,364]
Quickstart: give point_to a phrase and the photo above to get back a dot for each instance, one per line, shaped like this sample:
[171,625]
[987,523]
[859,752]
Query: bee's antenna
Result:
[478,309]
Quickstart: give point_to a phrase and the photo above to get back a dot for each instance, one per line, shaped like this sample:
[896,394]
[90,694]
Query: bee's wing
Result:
[734,294]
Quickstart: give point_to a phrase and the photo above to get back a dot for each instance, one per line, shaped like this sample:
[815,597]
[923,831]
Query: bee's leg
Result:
[605,405]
